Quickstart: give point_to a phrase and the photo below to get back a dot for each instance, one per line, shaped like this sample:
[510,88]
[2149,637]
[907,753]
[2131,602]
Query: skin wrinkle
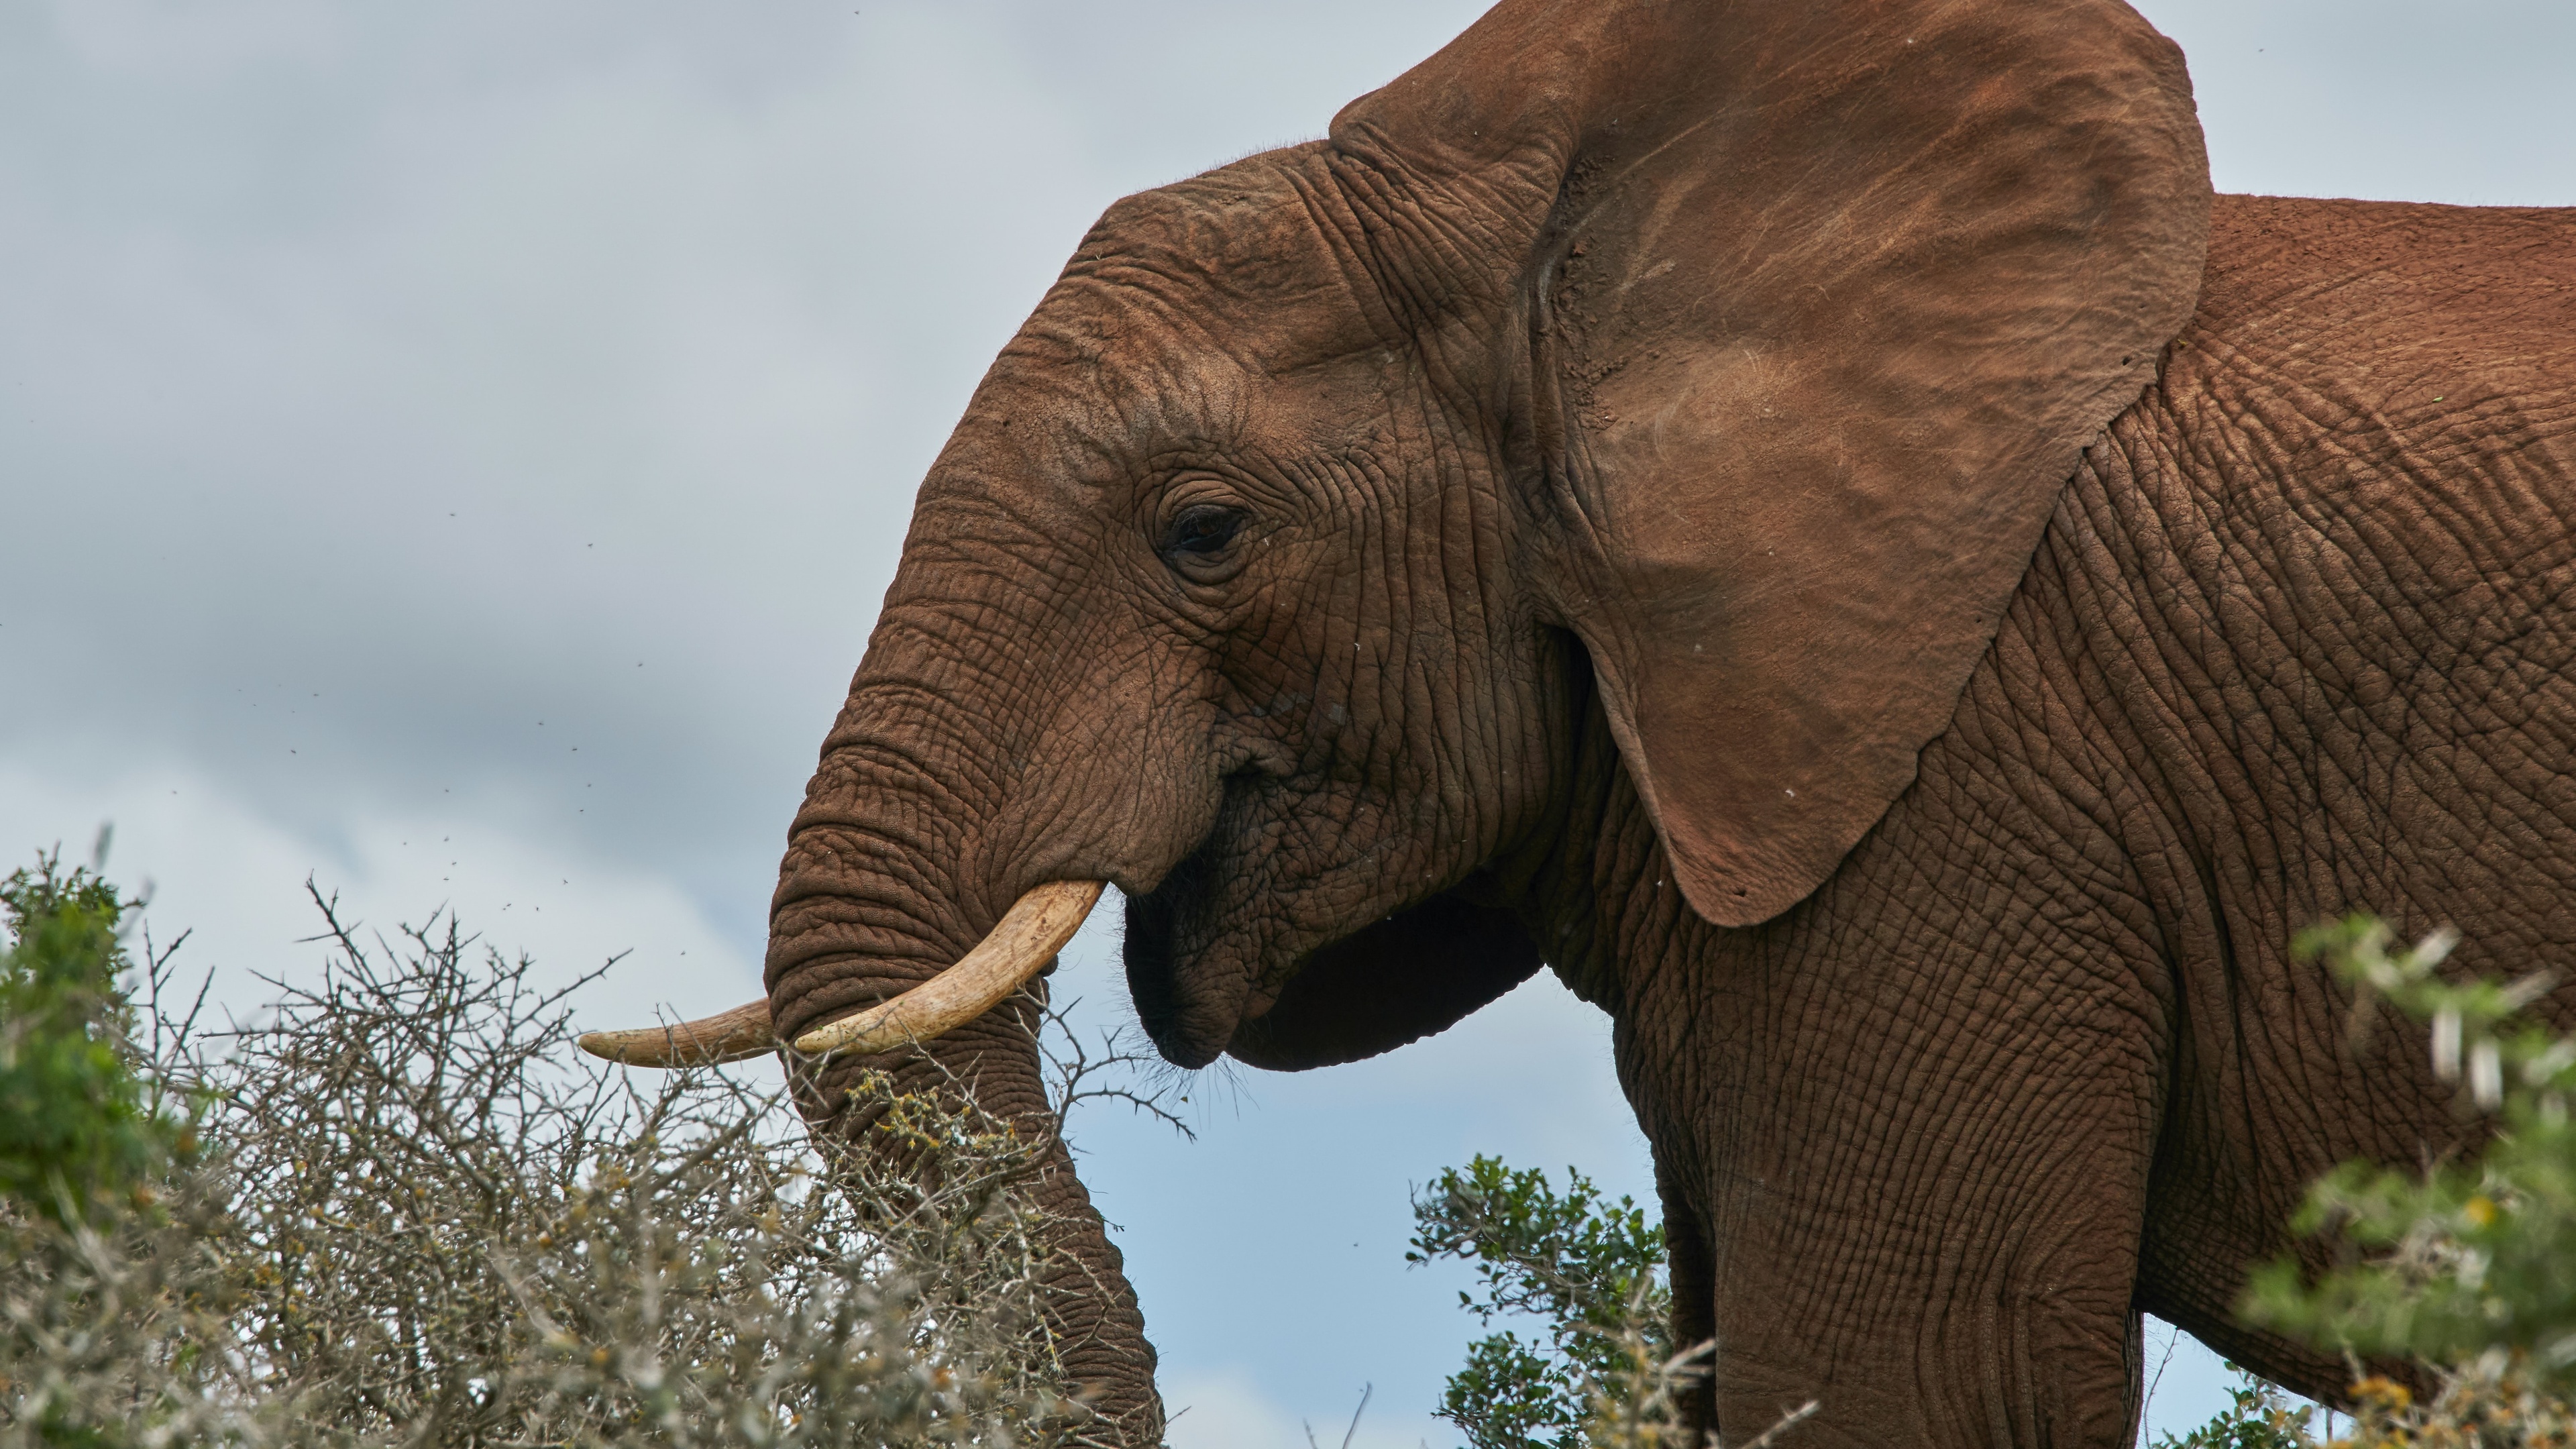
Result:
[972,529]
[908,718]
[1361,687]
[2227,953]
[950,784]
[1382,209]
[2223,692]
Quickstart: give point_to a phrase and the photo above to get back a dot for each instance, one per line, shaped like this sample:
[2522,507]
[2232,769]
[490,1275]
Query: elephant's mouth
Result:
[1221,957]
[1190,1015]
[1200,990]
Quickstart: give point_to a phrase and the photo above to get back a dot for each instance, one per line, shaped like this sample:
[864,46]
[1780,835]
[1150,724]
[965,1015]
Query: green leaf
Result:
[1585,1271]
[2469,1257]
[82,1131]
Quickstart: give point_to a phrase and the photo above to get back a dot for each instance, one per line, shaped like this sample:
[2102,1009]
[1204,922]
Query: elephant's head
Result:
[1703,369]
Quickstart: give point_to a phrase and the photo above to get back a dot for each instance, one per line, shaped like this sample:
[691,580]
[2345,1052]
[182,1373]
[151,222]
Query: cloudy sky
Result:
[455,452]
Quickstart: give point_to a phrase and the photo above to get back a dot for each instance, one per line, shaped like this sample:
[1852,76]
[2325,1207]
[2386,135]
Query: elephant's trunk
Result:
[889,881]
[1093,1315]
[983,757]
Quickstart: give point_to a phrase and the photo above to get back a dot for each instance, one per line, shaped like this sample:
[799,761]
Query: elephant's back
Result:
[2289,275]
[2369,430]
[2371,341]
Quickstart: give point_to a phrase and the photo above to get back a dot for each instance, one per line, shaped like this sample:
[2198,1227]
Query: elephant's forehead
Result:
[1214,314]
[1105,372]
[1231,269]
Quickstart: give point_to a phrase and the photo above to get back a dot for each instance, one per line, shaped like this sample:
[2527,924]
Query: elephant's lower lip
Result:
[1189,1014]
[1187,1023]
[1186,1052]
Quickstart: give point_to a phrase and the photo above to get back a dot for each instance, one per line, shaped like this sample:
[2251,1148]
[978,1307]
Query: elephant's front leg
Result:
[1921,1198]
[1694,1286]
[1989,1309]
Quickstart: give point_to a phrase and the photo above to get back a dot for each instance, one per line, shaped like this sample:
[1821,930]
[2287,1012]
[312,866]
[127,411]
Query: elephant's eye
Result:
[1196,539]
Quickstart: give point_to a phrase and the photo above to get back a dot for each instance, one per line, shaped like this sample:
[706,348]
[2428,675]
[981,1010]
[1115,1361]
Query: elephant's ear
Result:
[1812,307]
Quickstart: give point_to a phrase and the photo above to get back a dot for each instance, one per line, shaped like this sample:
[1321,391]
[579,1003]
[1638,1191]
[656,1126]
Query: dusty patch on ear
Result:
[1398,980]
[1824,300]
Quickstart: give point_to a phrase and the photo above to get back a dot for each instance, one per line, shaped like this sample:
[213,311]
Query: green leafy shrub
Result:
[1599,1369]
[2474,1255]
[80,1127]
[2469,1267]
[1583,1269]
[2258,1416]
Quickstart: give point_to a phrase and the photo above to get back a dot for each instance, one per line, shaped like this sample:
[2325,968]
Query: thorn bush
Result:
[397,1209]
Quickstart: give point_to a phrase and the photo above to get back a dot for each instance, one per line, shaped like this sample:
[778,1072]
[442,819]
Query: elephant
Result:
[1812,522]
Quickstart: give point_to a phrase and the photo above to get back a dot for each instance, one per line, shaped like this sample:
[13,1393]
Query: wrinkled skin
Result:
[2296,641]
[1919,717]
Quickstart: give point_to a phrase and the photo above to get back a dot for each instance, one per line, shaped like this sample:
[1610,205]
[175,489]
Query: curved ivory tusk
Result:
[1035,928]
[1027,938]
[726,1037]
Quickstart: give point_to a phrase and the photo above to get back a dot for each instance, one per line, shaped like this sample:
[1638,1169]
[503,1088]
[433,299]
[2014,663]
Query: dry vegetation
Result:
[394,1211]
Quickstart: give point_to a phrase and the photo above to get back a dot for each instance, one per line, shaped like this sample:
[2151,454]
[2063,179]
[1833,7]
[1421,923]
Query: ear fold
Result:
[1812,308]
